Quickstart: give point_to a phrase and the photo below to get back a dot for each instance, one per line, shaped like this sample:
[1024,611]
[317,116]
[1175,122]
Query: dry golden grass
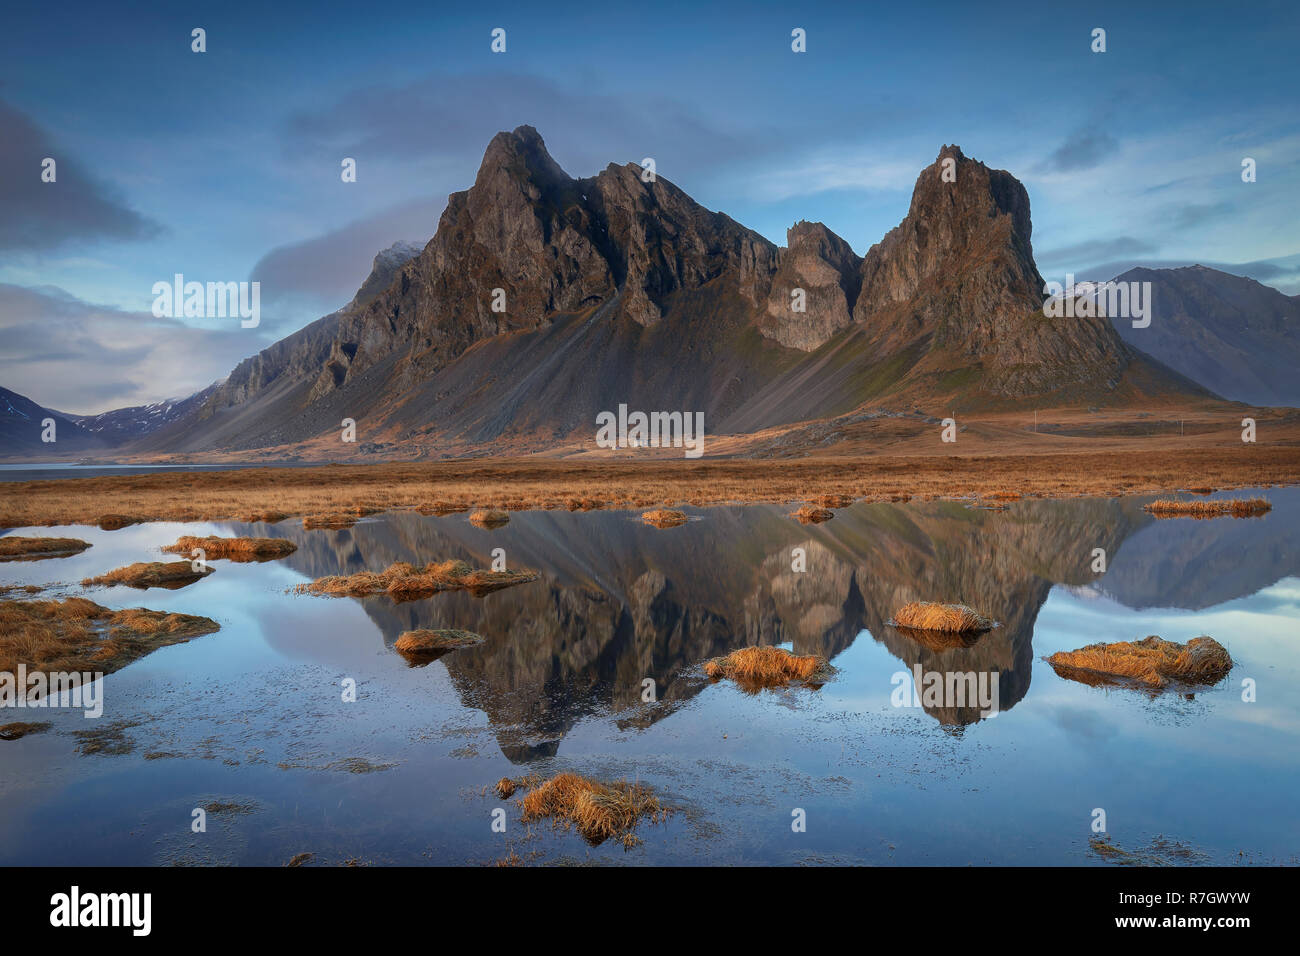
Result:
[151,574]
[1004,495]
[115,522]
[441,508]
[754,668]
[545,483]
[929,616]
[328,522]
[810,514]
[1236,507]
[14,548]
[404,582]
[233,549]
[664,518]
[833,501]
[76,634]
[425,642]
[597,810]
[489,518]
[1152,661]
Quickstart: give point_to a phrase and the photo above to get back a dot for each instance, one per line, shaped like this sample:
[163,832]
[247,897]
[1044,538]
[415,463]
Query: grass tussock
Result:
[598,811]
[435,642]
[811,514]
[328,522]
[1152,662]
[440,509]
[755,668]
[1004,496]
[1236,507]
[15,548]
[584,504]
[233,549]
[116,522]
[833,501]
[664,518]
[404,582]
[21,728]
[77,634]
[930,616]
[151,574]
[490,517]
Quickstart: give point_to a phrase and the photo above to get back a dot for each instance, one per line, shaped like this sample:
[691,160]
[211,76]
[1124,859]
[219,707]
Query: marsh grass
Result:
[598,811]
[432,643]
[15,548]
[1152,662]
[490,518]
[405,582]
[171,575]
[233,549]
[931,616]
[77,634]
[811,514]
[1236,507]
[664,518]
[759,667]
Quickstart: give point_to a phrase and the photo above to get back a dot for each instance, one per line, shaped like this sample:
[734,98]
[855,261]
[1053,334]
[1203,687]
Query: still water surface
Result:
[253,715]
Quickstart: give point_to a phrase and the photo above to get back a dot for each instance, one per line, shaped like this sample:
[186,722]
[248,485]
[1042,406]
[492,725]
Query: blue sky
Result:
[225,165]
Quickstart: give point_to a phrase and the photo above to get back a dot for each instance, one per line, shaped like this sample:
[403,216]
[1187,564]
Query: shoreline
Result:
[257,492]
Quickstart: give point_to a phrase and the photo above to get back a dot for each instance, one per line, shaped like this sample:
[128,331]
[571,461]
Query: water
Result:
[253,715]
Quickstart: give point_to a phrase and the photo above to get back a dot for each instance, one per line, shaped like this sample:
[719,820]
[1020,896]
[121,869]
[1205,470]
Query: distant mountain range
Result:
[620,289]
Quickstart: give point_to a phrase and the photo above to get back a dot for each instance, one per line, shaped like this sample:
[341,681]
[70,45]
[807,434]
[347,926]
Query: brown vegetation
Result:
[328,522]
[929,616]
[833,501]
[21,728]
[435,642]
[543,483]
[1236,507]
[810,514]
[76,634]
[755,668]
[489,518]
[171,575]
[14,548]
[664,518]
[115,522]
[233,549]
[597,810]
[404,582]
[1152,662]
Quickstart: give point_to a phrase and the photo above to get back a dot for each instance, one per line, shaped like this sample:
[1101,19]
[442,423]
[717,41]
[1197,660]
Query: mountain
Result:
[543,300]
[1233,335]
[122,425]
[22,425]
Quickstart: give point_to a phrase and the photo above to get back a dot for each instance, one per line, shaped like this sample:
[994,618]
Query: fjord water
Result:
[252,717]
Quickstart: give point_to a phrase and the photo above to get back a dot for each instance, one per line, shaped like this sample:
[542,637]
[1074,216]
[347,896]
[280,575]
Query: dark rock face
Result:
[822,265]
[959,271]
[1231,334]
[543,299]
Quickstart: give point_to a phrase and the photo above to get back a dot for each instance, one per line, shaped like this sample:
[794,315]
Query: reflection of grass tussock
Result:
[116,522]
[490,517]
[1236,507]
[21,728]
[235,549]
[930,616]
[403,581]
[941,640]
[76,634]
[441,508]
[754,668]
[14,548]
[426,642]
[596,810]
[664,518]
[151,574]
[810,514]
[1151,661]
